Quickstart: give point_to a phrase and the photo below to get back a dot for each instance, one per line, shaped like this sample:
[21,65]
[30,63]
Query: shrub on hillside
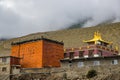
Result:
[91,73]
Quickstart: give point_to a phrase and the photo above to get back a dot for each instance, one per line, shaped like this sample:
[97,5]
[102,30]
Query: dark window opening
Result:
[4,59]
[65,55]
[90,54]
[4,69]
[70,63]
[81,53]
[71,55]
[114,62]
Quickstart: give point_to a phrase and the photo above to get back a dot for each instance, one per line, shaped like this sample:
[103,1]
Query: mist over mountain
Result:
[21,17]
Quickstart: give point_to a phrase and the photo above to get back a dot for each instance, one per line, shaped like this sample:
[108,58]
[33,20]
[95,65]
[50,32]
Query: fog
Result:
[22,17]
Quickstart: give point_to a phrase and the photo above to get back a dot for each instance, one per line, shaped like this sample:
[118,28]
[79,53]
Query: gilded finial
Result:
[97,38]
[64,50]
[72,49]
[97,35]
[116,48]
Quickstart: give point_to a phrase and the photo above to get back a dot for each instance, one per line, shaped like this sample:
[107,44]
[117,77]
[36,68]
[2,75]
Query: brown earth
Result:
[70,37]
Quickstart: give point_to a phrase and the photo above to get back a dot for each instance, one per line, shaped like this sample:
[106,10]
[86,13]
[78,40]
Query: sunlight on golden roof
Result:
[97,37]
[116,48]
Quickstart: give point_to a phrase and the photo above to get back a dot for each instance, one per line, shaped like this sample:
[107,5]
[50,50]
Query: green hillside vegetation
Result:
[71,37]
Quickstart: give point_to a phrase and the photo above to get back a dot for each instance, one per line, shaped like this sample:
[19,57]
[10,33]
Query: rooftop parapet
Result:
[32,40]
[90,47]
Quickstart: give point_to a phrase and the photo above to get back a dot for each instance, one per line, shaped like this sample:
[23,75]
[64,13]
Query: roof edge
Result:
[38,39]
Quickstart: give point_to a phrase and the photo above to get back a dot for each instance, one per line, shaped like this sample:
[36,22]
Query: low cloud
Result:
[21,17]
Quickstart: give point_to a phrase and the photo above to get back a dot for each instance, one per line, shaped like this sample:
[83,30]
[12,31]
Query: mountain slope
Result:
[71,37]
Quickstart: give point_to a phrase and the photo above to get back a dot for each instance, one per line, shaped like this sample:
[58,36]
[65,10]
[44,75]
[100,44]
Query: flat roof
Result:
[92,58]
[32,40]
[9,56]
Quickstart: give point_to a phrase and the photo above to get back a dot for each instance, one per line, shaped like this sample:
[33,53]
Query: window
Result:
[81,53]
[4,69]
[4,59]
[65,55]
[71,55]
[70,63]
[100,53]
[114,62]
[96,63]
[80,64]
[90,54]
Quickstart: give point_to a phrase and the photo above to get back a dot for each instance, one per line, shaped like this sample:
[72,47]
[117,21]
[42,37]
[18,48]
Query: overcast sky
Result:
[22,17]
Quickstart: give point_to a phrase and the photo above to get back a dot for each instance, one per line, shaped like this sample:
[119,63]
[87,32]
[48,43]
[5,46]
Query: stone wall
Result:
[4,68]
[105,66]
[71,71]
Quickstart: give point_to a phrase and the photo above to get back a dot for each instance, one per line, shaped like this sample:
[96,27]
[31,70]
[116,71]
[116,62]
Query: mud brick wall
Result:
[38,54]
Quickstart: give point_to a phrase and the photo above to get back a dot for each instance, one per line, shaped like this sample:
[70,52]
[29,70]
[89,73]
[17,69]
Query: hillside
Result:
[70,37]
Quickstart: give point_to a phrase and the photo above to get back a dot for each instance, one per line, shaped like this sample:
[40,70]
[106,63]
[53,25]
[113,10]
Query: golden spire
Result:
[97,37]
[116,48]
